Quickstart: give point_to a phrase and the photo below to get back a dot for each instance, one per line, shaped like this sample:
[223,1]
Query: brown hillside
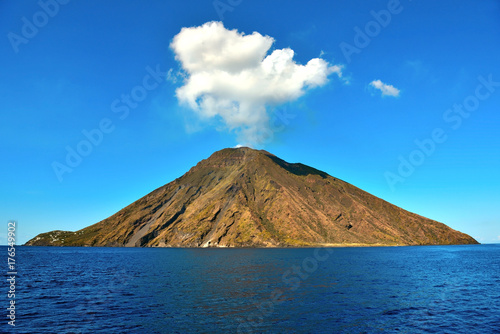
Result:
[244,197]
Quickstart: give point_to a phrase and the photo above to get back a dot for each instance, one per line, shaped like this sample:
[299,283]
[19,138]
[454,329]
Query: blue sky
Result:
[66,70]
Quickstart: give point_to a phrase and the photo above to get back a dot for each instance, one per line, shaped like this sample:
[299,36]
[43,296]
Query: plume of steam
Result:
[233,76]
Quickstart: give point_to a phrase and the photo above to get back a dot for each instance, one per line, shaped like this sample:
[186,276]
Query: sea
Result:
[423,289]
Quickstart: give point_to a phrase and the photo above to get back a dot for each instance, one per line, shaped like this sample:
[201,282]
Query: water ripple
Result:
[443,289]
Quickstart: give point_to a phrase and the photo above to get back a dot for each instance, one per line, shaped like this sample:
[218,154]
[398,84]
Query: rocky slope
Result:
[244,197]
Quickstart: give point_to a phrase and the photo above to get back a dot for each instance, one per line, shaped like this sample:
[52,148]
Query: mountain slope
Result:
[244,197]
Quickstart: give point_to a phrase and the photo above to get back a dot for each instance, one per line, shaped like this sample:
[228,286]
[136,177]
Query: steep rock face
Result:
[244,197]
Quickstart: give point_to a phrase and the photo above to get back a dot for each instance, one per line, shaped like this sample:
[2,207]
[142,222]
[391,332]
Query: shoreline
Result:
[254,247]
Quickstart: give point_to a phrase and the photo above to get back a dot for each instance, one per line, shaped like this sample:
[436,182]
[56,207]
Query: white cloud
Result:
[173,77]
[231,75]
[387,90]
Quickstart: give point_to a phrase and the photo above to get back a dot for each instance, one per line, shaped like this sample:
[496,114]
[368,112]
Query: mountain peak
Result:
[246,197]
[246,155]
[239,156]
[239,152]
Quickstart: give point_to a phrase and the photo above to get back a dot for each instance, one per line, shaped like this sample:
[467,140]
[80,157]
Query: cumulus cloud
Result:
[233,76]
[387,90]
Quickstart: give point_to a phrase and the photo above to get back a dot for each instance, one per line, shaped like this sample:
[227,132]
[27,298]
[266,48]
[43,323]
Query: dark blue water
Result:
[433,289]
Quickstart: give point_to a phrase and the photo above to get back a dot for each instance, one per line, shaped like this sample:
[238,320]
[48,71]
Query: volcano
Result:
[241,197]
